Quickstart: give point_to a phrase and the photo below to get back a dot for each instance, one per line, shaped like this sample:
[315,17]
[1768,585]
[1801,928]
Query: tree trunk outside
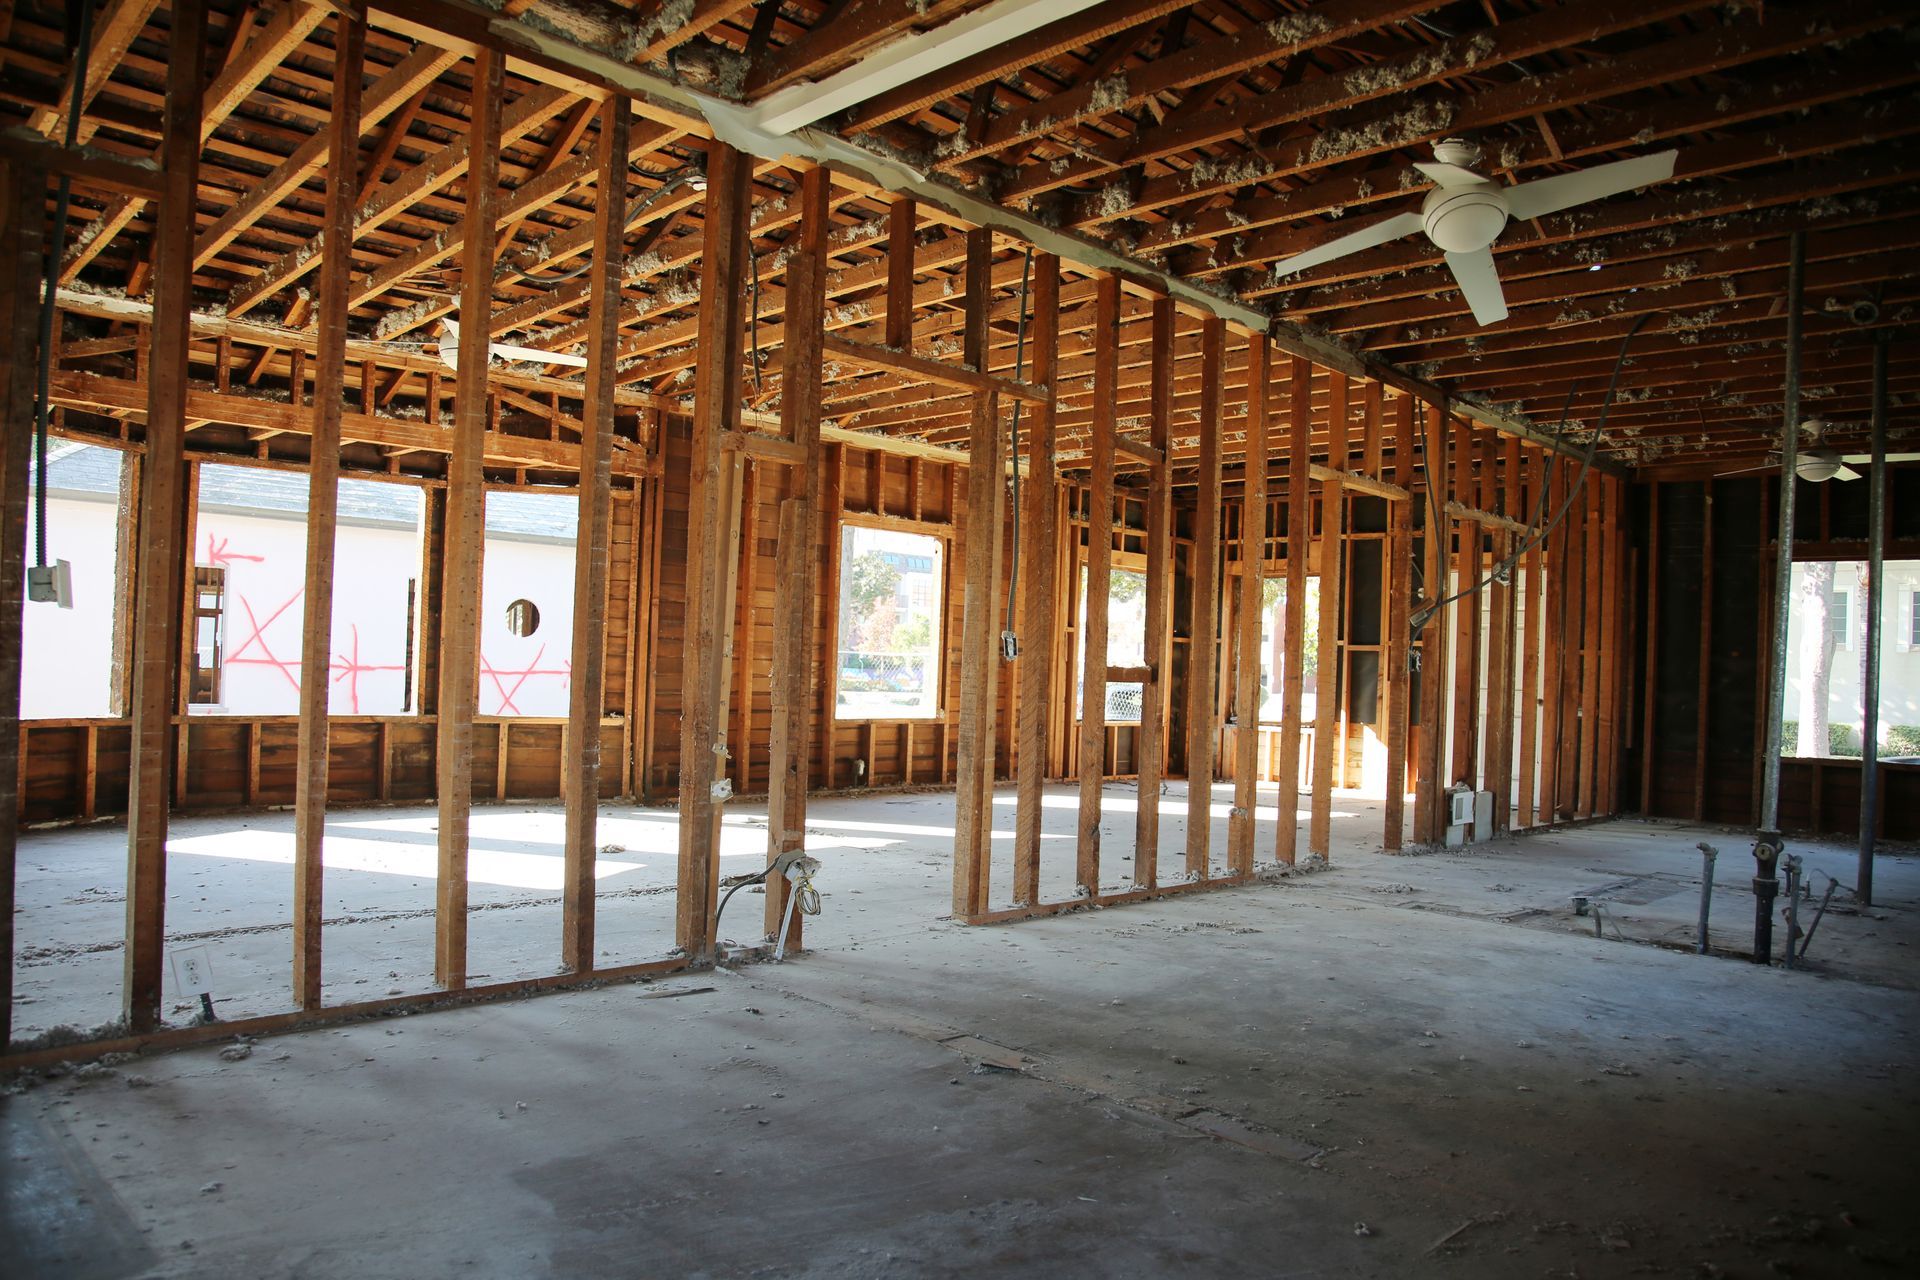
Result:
[1817,643]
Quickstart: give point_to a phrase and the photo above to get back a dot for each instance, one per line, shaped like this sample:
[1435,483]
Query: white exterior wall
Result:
[265,558]
[526,675]
[66,662]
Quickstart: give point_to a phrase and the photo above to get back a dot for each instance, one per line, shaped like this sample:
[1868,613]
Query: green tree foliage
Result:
[872,585]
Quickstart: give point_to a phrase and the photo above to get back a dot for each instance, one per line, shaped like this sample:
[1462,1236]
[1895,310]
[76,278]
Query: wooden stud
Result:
[22,250]
[713,531]
[1039,589]
[164,553]
[833,501]
[1465,616]
[1529,695]
[1203,629]
[1333,517]
[1327,685]
[1396,647]
[1429,825]
[1618,648]
[1501,662]
[1253,554]
[1650,664]
[979,663]
[586,694]
[1299,532]
[459,696]
[1572,604]
[1592,573]
[902,214]
[1159,647]
[797,562]
[1099,565]
[323,504]
[739,733]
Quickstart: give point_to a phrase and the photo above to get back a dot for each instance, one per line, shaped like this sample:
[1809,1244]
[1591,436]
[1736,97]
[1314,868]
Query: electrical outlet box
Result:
[192,970]
[1461,812]
[51,584]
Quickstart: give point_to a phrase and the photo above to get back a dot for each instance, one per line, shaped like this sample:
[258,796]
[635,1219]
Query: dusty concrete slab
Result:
[1299,1078]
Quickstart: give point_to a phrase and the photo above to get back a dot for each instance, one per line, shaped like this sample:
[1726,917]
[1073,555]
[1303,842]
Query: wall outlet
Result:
[192,970]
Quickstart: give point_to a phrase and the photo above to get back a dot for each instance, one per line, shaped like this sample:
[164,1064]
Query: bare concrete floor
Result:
[230,889]
[1401,1066]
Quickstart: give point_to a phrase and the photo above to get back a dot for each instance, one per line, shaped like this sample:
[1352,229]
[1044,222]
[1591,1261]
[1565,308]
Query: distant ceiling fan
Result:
[450,351]
[1465,213]
[1818,464]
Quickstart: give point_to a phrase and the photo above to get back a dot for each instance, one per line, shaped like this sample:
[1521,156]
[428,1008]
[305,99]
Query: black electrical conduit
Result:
[56,244]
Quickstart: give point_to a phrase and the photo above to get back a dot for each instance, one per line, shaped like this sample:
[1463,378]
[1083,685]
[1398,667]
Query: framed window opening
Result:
[891,635]
[73,660]
[1823,713]
[250,551]
[1126,636]
[1273,651]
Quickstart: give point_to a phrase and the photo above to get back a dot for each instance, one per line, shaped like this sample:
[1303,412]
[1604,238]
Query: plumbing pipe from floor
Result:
[1818,916]
[1793,906]
[1708,854]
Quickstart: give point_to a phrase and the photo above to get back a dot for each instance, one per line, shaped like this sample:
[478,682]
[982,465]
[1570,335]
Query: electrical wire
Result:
[56,244]
[760,878]
[753,324]
[1504,570]
[671,181]
[1019,360]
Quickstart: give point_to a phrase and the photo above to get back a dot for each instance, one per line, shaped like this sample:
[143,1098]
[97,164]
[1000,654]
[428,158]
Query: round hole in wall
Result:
[523,617]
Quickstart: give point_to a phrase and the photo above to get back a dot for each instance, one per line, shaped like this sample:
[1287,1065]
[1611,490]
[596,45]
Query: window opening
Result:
[1823,712]
[891,588]
[1126,643]
[209,608]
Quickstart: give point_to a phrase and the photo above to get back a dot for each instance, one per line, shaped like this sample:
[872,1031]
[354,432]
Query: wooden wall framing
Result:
[708,564]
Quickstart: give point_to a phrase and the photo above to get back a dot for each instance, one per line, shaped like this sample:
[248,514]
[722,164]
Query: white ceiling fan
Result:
[1816,463]
[1465,213]
[450,350]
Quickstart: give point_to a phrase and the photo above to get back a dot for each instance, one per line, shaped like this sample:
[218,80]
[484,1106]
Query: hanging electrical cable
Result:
[1503,571]
[1009,641]
[56,244]
[753,325]
[687,175]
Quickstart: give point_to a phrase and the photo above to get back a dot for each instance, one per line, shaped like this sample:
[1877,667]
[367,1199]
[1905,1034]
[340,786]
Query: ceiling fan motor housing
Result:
[1464,219]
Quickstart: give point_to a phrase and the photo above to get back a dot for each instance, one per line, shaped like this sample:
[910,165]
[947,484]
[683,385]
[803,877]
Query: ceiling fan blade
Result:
[1744,471]
[1448,175]
[1379,233]
[1479,285]
[1847,473]
[507,351]
[1563,191]
[1866,459]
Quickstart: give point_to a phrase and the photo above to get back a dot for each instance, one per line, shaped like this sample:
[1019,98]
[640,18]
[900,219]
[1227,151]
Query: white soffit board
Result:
[907,59]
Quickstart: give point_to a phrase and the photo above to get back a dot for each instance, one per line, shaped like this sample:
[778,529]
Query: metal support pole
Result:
[1766,844]
[1708,855]
[1876,570]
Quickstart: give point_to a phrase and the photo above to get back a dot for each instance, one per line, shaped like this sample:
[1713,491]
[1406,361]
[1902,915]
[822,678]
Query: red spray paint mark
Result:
[532,669]
[291,670]
[350,667]
[217,552]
